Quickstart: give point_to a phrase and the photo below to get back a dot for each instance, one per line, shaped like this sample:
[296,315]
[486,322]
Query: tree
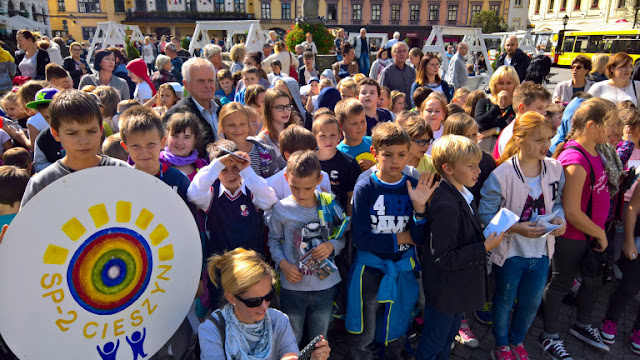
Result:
[489,21]
[322,37]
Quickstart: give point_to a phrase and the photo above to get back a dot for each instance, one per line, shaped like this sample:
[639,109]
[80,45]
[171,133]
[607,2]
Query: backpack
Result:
[193,352]
[538,69]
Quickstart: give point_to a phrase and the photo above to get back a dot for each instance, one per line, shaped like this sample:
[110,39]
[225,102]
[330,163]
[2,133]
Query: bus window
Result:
[608,44]
[595,44]
[633,46]
[581,44]
[567,44]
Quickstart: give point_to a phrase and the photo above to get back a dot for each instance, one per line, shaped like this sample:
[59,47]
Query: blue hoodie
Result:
[565,126]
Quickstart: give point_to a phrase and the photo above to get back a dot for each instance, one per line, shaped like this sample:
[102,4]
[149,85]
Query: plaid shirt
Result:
[161,77]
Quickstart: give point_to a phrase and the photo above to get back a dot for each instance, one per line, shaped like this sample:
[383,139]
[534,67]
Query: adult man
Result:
[449,52]
[199,80]
[399,76]
[299,52]
[361,47]
[266,50]
[70,39]
[347,65]
[457,75]
[149,53]
[182,53]
[176,63]
[514,57]
[390,43]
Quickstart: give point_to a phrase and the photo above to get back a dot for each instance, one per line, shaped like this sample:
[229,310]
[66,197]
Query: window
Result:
[61,6]
[239,6]
[551,3]
[567,44]
[218,6]
[119,5]
[60,33]
[563,5]
[191,5]
[286,11]
[141,5]
[577,4]
[516,24]
[356,12]
[518,3]
[265,10]
[453,13]
[414,13]
[495,8]
[376,12]
[88,32]
[475,9]
[332,12]
[621,3]
[161,5]
[537,7]
[89,6]
[595,3]
[434,12]
[395,12]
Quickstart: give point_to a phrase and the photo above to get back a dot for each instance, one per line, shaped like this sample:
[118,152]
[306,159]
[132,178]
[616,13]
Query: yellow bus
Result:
[589,43]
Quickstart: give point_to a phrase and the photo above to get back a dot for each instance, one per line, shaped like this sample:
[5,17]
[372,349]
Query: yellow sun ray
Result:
[158,234]
[123,211]
[144,219]
[55,255]
[99,215]
[165,253]
[74,229]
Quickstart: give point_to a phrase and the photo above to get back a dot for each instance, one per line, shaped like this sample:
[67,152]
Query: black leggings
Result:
[626,290]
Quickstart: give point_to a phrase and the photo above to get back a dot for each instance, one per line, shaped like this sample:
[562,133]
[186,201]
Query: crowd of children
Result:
[369,213]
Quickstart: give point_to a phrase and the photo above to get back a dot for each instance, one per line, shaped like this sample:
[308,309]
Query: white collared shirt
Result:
[468,196]
[211,117]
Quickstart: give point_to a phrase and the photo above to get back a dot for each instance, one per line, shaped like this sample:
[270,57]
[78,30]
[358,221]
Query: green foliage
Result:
[321,36]
[132,52]
[489,21]
[184,42]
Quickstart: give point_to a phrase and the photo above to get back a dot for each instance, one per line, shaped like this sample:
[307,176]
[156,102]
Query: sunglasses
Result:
[423,142]
[257,301]
[577,67]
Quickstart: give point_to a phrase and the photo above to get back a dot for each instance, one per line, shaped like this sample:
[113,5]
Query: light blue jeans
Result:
[524,279]
[310,310]
[364,63]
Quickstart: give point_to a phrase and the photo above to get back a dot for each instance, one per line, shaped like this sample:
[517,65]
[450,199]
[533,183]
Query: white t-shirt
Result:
[507,60]
[606,91]
[281,187]
[4,137]
[505,135]
[437,134]
[38,122]
[143,92]
[147,54]
[28,66]
[530,247]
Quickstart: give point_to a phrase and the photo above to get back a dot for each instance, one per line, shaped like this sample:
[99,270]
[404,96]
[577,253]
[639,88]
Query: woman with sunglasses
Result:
[580,67]
[246,327]
[619,87]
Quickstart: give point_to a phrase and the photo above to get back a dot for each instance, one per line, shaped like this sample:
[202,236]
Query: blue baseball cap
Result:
[44,96]
[313,79]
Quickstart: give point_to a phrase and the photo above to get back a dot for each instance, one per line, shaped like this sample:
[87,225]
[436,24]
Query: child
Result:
[112,147]
[277,117]
[308,70]
[36,122]
[227,91]
[554,113]
[306,221]
[530,185]
[254,97]
[167,97]
[342,169]
[585,183]
[368,93]
[419,96]
[76,123]
[47,149]
[276,67]
[11,107]
[350,114]
[145,89]
[454,269]
[13,182]
[19,157]
[460,96]
[434,110]
[314,87]
[234,124]
[143,138]
[384,101]
[250,76]
[421,137]
[472,100]
[58,77]
[123,106]
[397,101]
[109,97]
[526,97]
[389,219]
[183,130]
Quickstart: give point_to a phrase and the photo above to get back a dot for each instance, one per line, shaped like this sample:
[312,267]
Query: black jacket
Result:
[520,62]
[454,262]
[209,135]
[70,65]
[42,59]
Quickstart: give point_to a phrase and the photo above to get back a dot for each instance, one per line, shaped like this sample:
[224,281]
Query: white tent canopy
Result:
[19,22]
[256,37]
[112,34]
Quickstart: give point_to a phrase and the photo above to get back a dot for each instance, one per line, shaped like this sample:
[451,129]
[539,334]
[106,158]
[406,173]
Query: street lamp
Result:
[565,21]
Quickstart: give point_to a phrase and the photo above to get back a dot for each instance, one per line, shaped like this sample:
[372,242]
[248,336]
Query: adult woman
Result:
[246,327]
[64,49]
[495,112]
[75,65]
[163,75]
[104,62]
[273,37]
[32,62]
[382,61]
[415,56]
[598,68]
[213,53]
[339,42]
[619,87]
[308,44]
[284,56]
[237,54]
[580,67]
[427,75]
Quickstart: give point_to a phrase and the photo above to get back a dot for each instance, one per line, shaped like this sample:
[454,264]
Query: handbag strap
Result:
[593,183]
[218,320]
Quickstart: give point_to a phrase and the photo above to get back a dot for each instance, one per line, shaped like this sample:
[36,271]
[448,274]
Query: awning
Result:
[12,23]
[30,24]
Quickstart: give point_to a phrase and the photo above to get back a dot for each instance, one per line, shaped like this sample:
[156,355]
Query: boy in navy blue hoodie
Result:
[455,265]
[389,219]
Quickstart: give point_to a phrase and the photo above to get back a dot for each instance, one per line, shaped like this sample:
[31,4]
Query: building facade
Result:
[31,11]
[80,18]
[582,14]
[518,14]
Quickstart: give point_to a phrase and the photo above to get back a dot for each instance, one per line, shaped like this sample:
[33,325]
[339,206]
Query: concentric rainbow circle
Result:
[110,270]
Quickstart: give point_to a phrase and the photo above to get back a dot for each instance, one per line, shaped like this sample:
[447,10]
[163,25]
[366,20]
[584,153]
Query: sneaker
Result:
[635,341]
[502,353]
[590,336]
[519,352]
[609,331]
[554,348]
[485,316]
[466,337]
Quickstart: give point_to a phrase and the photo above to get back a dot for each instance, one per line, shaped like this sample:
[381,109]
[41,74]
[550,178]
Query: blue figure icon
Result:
[109,351]
[136,342]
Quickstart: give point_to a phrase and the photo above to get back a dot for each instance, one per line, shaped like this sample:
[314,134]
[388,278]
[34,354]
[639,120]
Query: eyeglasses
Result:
[257,301]
[577,67]
[281,108]
[423,142]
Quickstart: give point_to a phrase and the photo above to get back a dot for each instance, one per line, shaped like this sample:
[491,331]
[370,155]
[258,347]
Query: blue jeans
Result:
[364,63]
[524,279]
[310,310]
[439,331]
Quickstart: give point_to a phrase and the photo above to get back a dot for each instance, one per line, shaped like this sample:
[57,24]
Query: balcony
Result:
[185,16]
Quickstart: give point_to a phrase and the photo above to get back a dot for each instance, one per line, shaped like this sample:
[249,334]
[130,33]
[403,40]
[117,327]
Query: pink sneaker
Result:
[635,341]
[502,353]
[466,336]
[609,331]
[519,352]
